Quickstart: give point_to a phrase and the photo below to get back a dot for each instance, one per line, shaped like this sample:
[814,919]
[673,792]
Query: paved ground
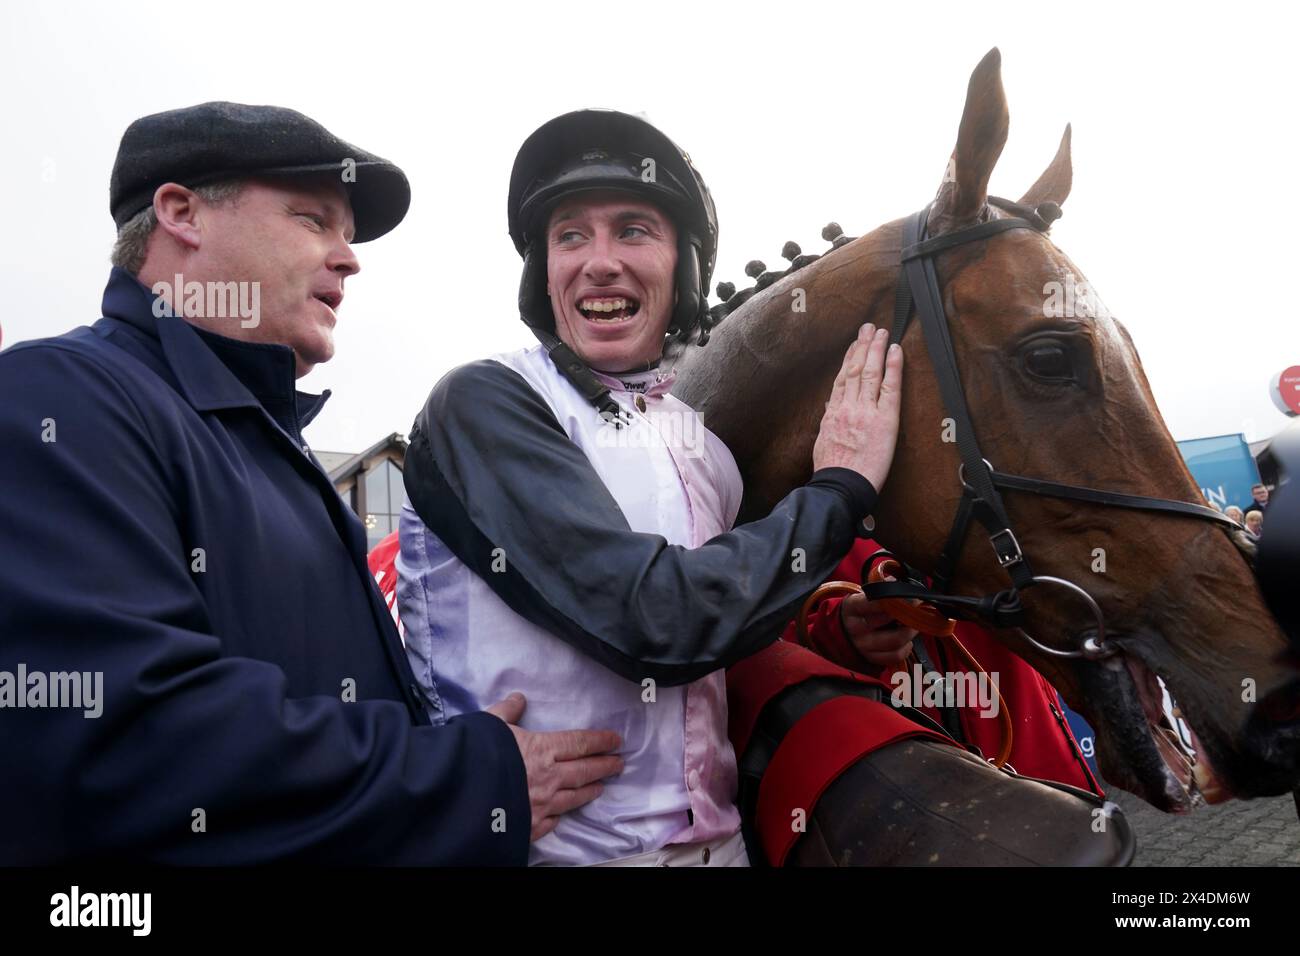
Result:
[1238,833]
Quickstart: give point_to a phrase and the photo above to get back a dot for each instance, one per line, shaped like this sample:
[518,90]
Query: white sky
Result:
[1182,215]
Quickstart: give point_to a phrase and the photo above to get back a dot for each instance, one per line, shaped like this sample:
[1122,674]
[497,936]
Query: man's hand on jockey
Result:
[860,426]
[563,766]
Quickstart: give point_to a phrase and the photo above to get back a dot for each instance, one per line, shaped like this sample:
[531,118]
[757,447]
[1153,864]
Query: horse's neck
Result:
[762,380]
[798,325]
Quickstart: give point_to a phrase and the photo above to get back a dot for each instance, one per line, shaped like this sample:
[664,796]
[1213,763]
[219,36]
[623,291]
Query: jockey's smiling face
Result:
[610,264]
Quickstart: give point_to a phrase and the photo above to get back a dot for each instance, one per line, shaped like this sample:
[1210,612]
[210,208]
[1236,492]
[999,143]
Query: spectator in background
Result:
[1255,522]
[1235,513]
[1260,494]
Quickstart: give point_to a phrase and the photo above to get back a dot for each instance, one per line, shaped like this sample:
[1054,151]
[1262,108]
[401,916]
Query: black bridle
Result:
[918,286]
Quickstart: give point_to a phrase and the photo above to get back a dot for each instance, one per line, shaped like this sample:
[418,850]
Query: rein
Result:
[920,617]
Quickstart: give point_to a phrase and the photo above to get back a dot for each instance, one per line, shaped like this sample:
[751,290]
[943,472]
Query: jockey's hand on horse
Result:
[878,637]
[563,766]
[860,426]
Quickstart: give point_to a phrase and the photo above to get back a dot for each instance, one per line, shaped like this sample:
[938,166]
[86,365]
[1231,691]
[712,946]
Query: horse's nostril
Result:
[1282,706]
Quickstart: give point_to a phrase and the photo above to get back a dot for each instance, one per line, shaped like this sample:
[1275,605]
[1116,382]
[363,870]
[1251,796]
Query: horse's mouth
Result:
[1141,750]
[1186,764]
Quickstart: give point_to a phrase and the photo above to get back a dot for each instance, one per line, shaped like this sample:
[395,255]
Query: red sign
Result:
[1285,391]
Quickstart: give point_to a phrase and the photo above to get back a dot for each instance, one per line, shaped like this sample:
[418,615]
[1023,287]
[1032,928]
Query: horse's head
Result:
[1056,392]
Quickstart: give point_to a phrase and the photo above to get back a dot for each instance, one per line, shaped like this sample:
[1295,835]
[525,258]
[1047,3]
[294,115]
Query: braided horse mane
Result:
[757,270]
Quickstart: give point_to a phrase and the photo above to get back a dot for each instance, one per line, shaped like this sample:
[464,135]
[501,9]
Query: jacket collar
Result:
[213,371]
[652,383]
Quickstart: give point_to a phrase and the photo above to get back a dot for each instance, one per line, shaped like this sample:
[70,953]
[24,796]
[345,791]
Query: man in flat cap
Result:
[195,664]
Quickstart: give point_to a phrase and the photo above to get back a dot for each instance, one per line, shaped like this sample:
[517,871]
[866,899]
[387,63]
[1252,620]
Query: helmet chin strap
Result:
[578,374]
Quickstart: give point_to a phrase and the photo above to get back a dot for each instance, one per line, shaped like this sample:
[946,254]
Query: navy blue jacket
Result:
[163,522]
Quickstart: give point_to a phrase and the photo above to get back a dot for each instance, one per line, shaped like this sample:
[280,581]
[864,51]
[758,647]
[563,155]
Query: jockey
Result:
[569,530]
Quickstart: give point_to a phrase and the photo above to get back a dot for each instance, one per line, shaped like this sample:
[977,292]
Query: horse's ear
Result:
[983,133]
[1054,184]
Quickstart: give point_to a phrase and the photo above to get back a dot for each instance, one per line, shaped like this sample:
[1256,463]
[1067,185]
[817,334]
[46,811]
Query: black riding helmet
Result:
[605,149]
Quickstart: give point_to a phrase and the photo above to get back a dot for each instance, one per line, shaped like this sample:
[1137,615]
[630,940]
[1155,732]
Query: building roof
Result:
[330,460]
[352,464]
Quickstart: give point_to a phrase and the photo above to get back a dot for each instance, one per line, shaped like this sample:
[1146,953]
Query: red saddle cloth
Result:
[832,737]
[828,740]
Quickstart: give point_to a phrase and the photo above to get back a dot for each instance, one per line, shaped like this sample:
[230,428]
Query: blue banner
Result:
[1223,467]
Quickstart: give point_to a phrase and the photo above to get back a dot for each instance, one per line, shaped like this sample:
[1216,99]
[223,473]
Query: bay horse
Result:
[1055,393]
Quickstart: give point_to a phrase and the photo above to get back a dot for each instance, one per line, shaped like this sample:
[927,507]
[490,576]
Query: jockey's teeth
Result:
[602,305]
[608,310]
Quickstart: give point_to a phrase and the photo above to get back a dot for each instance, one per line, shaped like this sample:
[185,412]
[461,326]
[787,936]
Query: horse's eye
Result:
[1046,360]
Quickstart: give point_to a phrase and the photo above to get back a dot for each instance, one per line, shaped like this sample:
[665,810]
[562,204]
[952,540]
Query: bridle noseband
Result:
[918,285]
